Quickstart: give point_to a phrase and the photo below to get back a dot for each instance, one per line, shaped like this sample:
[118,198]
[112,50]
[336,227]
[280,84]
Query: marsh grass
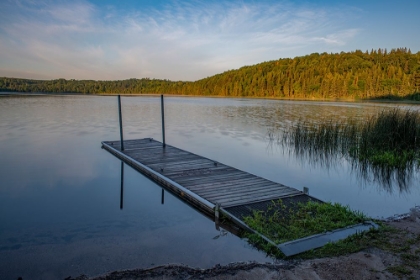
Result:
[386,145]
[391,138]
[283,223]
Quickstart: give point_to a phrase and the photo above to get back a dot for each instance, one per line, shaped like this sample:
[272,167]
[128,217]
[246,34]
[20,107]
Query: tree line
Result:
[356,75]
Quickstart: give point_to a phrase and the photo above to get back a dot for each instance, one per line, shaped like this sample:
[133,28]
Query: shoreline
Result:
[371,263]
[314,99]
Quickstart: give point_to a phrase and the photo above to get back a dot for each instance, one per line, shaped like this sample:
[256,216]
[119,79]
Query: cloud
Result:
[186,41]
[339,39]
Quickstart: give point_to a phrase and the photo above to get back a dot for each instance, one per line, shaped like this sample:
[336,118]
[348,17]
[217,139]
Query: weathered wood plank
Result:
[228,175]
[150,154]
[241,189]
[229,185]
[218,172]
[172,159]
[205,178]
[190,173]
[249,199]
[235,189]
[189,167]
[181,164]
[239,183]
[134,144]
[246,193]
[231,182]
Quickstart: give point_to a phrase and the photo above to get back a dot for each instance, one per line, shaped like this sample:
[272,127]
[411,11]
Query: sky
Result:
[189,40]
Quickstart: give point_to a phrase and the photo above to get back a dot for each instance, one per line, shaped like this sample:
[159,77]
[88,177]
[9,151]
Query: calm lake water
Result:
[60,192]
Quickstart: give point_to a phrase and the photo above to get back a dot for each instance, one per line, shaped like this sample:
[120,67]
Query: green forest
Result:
[354,75]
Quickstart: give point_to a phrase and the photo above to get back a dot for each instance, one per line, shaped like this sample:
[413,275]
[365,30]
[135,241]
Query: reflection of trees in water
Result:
[334,155]
[387,177]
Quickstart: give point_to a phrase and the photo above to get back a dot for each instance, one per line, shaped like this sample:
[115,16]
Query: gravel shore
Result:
[372,263]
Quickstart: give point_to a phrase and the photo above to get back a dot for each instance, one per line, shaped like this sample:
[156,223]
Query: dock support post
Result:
[216,215]
[163,197]
[121,127]
[163,120]
[122,186]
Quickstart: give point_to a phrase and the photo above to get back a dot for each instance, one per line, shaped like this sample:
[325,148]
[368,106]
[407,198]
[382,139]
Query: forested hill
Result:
[374,74]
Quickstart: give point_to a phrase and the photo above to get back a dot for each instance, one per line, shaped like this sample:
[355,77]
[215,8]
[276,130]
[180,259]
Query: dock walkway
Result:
[203,182]
[214,188]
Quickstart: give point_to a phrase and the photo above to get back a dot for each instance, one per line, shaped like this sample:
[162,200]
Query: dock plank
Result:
[224,185]
[233,190]
[200,181]
[209,179]
[248,193]
[248,200]
[228,175]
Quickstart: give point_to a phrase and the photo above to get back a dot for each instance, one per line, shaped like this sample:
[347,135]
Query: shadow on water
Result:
[223,226]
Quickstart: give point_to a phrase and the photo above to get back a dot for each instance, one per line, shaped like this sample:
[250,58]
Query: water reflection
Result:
[162,199]
[223,227]
[122,186]
[60,195]
[390,178]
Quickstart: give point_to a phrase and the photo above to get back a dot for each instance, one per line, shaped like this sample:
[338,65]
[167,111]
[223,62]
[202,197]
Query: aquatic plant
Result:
[283,223]
[386,144]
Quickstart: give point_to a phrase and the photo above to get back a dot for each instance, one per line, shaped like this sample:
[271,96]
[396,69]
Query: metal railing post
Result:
[121,126]
[162,108]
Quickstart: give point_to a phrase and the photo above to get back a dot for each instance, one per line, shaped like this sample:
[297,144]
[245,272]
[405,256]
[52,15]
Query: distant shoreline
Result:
[349,100]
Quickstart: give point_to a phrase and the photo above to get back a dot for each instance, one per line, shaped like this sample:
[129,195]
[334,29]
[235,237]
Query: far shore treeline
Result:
[372,74]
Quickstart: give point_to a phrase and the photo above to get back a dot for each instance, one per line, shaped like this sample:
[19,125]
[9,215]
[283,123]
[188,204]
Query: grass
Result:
[283,223]
[286,222]
[389,239]
[390,138]
[386,145]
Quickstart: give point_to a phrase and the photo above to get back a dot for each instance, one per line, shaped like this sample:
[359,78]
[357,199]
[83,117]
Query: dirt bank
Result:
[399,258]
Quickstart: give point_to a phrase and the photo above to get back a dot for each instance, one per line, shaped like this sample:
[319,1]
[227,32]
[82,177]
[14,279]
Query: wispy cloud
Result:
[187,40]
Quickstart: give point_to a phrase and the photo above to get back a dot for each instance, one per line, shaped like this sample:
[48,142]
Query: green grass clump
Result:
[390,138]
[386,145]
[274,222]
[283,223]
[389,158]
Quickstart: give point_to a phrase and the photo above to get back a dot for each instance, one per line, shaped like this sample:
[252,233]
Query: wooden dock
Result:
[208,185]
[213,187]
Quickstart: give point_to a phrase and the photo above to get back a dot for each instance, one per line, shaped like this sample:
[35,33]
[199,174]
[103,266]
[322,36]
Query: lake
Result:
[60,192]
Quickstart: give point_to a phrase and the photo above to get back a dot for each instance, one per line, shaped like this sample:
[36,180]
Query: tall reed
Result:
[390,137]
[383,148]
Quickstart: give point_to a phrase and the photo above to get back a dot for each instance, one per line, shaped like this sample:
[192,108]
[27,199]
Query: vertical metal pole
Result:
[163,120]
[122,186]
[216,215]
[163,197]
[121,127]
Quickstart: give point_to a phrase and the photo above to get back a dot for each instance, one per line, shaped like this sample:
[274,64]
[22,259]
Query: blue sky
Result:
[189,40]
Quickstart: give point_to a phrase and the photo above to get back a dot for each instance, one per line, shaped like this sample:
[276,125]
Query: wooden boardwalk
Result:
[195,177]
